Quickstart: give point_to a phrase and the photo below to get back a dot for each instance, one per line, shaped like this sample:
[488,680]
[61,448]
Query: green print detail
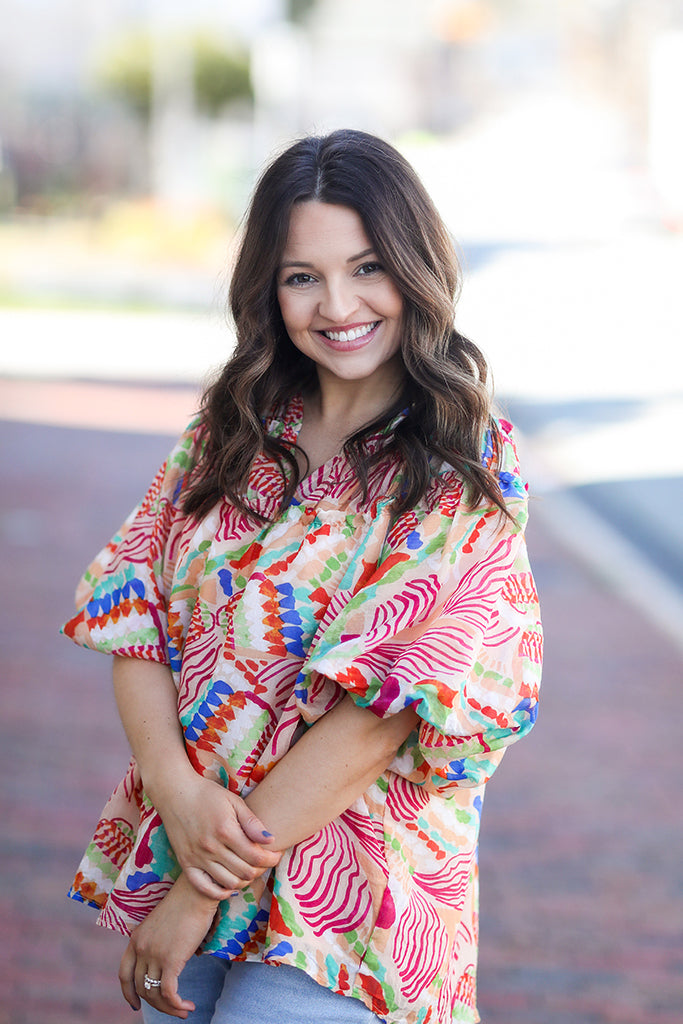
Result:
[355,943]
[496,677]
[241,752]
[463,1014]
[115,582]
[371,961]
[136,638]
[109,870]
[300,960]
[227,918]
[164,861]
[287,914]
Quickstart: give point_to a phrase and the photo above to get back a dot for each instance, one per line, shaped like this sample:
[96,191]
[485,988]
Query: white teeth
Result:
[357,332]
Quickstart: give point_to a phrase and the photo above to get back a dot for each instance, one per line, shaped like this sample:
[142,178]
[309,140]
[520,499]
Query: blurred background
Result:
[550,135]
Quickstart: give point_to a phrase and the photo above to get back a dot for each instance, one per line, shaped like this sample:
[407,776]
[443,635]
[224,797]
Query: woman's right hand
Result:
[219,842]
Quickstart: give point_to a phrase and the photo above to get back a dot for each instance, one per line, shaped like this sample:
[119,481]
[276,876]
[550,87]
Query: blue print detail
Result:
[281,949]
[225,580]
[216,696]
[293,632]
[413,540]
[456,771]
[531,708]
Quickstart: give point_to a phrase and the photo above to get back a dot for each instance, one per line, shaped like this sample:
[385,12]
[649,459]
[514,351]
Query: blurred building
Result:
[390,66]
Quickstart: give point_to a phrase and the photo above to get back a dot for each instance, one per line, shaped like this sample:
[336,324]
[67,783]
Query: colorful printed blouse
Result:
[265,629]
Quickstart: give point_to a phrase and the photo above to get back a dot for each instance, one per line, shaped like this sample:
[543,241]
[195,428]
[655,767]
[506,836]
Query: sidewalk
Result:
[581,837]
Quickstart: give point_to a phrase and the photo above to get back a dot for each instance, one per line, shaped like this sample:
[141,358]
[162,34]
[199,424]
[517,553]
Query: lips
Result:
[351,337]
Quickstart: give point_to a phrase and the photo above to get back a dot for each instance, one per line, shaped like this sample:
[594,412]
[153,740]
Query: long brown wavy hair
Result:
[446,390]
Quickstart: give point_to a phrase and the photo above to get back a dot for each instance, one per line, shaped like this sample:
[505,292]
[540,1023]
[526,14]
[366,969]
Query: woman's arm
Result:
[161,946]
[219,842]
[333,763]
[219,839]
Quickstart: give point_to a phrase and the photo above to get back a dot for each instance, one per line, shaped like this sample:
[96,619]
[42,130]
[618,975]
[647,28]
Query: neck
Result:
[355,402]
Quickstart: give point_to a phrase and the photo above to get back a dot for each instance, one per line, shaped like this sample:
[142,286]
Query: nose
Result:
[339,302]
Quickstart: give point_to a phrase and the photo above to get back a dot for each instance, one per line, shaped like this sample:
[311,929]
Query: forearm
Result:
[332,764]
[147,702]
[220,843]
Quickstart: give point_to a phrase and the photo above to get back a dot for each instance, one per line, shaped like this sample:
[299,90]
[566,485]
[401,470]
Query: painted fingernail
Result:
[268,835]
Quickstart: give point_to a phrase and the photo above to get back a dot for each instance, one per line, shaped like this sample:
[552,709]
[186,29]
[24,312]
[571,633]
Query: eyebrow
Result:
[351,259]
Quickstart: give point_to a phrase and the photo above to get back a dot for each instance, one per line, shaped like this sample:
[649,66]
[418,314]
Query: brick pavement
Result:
[581,838]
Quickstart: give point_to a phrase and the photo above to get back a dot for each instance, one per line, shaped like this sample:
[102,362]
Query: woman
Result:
[325,630]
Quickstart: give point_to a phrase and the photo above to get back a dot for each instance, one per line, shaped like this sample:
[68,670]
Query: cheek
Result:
[293,310]
[394,302]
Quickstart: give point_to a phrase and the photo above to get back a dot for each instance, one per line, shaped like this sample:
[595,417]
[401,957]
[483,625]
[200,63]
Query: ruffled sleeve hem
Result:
[122,597]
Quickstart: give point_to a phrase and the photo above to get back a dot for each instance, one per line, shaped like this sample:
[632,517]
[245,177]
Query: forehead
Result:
[322,229]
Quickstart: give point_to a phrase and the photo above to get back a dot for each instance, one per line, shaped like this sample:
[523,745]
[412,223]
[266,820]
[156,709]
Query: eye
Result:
[369,268]
[298,280]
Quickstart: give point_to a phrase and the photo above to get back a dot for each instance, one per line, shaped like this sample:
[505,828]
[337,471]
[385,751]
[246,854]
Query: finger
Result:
[127,977]
[163,997]
[230,867]
[170,1000]
[206,884]
[252,826]
[239,851]
[143,987]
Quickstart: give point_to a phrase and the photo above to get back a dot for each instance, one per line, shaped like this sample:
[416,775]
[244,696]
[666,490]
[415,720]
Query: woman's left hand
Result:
[160,947]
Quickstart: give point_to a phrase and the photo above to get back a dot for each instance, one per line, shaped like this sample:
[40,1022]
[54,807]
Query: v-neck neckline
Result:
[293,418]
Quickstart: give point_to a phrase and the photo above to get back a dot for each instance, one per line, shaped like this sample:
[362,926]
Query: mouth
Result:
[351,337]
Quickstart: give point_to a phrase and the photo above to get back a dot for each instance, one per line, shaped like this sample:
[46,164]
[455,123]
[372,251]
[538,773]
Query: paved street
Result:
[582,883]
[580,858]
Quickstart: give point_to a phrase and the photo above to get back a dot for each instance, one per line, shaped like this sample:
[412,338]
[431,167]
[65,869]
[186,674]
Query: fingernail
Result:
[268,835]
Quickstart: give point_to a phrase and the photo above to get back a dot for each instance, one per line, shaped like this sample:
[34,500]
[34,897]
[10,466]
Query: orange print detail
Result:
[343,980]
[476,532]
[277,922]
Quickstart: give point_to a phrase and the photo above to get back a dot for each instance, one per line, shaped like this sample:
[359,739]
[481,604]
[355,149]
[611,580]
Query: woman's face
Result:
[339,305]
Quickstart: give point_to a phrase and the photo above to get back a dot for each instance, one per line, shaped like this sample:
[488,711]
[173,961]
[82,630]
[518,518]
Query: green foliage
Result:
[125,72]
[221,75]
[298,10]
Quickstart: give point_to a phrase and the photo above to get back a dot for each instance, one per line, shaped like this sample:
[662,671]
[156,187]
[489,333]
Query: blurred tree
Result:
[220,75]
[125,71]
[298,10]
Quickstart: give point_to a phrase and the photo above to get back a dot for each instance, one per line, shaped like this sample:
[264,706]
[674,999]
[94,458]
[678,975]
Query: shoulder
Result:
[500,455]
[189,445]
[175,473]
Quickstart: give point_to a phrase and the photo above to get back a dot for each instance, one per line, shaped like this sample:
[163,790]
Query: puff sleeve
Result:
[123,595]
[449,622]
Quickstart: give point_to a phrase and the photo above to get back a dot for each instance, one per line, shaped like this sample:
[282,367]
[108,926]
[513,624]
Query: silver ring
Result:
[152,982]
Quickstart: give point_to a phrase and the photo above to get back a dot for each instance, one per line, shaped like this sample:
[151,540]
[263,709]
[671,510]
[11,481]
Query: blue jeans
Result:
[256,993]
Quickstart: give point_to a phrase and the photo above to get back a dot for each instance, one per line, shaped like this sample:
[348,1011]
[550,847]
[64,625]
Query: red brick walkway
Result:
[581,859]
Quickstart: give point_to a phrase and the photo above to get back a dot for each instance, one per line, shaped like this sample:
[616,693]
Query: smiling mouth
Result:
[353,334]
